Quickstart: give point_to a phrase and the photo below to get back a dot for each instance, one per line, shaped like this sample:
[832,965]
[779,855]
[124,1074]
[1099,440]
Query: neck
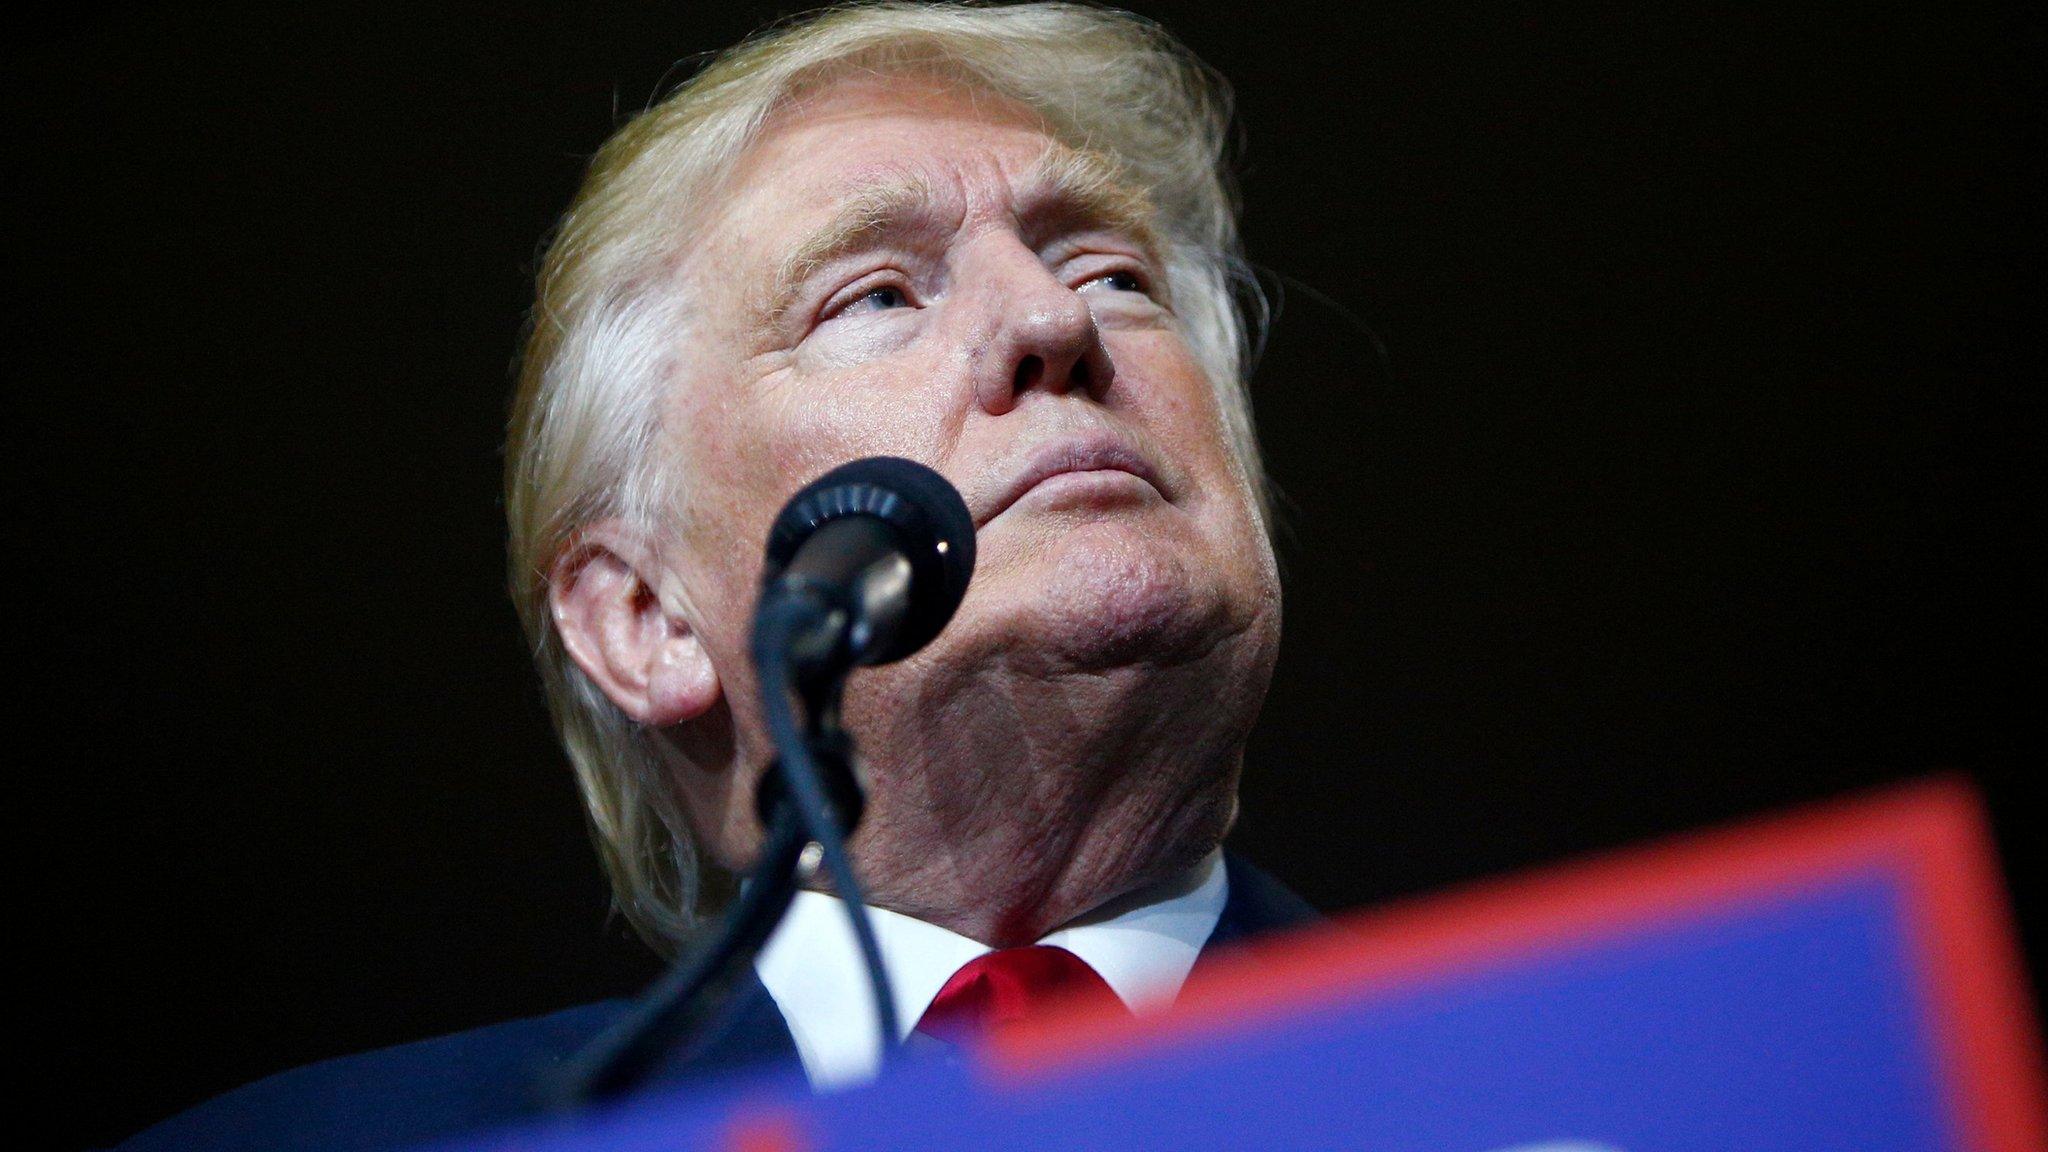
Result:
[1004,806]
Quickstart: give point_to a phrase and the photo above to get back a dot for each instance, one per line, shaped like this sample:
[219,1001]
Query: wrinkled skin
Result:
[1078,729]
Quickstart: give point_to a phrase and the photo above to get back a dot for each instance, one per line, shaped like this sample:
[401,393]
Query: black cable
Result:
[779,620]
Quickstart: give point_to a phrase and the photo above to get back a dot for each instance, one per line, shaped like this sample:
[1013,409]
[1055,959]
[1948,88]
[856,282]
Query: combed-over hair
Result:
[585,435]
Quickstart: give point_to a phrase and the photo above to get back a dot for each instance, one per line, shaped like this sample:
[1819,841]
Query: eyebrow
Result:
[880,204]
[1065,188]
[1083,188]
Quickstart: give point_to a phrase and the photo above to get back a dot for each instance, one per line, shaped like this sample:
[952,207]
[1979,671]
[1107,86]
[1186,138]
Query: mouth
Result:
[1065,458]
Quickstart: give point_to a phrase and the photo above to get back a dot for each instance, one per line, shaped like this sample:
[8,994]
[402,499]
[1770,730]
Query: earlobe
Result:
[649,662]
[683,685]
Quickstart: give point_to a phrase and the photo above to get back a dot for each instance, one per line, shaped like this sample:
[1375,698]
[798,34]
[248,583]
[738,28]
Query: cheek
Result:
[1183,414]
[747,451]
[1171,397]
[808,421]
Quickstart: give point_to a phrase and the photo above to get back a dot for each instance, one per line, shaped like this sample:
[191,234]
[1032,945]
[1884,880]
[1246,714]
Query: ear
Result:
[649,661]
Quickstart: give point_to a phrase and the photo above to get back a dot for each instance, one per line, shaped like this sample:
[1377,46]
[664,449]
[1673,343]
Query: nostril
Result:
[1030,370]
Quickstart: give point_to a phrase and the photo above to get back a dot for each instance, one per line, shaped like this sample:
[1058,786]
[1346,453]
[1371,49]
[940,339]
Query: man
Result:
[996,241]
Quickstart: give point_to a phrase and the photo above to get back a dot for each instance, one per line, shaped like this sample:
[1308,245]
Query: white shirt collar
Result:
[1143,944]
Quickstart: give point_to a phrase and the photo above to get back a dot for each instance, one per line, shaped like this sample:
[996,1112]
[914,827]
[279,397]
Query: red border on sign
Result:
[1933,836]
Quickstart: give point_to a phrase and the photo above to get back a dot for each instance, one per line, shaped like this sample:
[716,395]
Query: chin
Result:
[1102,598]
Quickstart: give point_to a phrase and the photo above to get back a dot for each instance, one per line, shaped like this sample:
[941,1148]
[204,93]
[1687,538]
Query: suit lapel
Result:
[751,1032]
[1257,904]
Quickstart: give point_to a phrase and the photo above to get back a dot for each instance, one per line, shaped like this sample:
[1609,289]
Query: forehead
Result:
[870,150]
[869,157]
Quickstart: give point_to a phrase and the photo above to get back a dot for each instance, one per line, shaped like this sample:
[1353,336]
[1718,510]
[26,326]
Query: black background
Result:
[1692,484]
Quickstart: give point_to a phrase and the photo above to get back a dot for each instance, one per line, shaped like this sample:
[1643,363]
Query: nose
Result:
[1041,336]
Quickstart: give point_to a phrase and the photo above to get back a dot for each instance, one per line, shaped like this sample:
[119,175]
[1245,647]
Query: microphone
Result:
[865,565]
[872,559]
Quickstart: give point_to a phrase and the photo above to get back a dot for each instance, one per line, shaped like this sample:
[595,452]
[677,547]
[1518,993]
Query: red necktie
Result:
[1008,985]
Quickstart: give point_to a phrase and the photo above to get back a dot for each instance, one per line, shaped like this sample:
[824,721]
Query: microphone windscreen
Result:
[924,512]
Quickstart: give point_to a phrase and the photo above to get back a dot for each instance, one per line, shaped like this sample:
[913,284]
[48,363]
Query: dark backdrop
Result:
[1690,484]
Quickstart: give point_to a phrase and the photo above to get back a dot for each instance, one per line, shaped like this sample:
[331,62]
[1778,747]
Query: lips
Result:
[1092,454]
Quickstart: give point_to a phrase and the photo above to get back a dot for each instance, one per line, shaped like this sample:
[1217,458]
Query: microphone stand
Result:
[811,794]
[803,648]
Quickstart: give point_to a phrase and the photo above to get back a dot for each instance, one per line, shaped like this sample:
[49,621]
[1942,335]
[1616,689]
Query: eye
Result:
[877,299]
[1121,281]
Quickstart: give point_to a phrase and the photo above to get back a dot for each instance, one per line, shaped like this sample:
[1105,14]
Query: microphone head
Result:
[922,510]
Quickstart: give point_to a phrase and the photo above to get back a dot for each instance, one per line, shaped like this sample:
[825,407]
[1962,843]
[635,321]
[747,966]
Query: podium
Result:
[1839,978]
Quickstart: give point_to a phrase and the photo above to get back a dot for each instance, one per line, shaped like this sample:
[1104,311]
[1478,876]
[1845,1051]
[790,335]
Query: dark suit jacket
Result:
[484,1078]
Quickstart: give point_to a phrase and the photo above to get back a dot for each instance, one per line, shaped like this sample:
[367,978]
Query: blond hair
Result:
[586,419]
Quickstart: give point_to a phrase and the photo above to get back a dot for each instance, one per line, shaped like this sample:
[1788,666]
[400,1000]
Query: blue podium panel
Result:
[1836,984]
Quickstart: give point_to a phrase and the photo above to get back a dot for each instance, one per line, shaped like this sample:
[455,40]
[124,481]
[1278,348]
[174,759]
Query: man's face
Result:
[906,269]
